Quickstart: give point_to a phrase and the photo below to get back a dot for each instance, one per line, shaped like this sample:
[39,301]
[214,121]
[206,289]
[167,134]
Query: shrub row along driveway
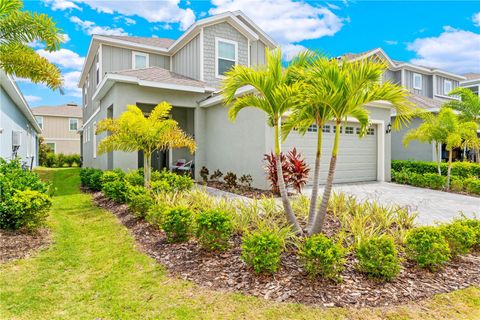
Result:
[432,205]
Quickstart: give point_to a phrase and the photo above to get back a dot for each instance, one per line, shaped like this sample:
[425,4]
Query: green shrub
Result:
[427,246]
[378,257]
[321,256]
[461,169]
[472,185]
[460,237]
[177,224]
[135,178]
[139,200]
[60,160]
[24,198]
[456,184]
[50,160]
[156,213]
[214,228]
[114,186]
[91,178]
[434,181]
[261,250]
[474,224]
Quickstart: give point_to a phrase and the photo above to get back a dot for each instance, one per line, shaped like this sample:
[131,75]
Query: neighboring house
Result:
[472,82]
[60,125]
[429,88]
[122,70]
[18,129]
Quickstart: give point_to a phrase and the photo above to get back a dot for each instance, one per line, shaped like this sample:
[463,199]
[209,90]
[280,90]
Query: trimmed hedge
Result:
[426,180]
[461,169]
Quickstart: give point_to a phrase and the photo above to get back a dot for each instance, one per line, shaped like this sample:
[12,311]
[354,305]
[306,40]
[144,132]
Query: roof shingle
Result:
[163,43]
[67,110]
[162,75]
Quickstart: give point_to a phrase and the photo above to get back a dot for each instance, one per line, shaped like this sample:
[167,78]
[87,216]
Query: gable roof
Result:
[11,88]
[472,76]
[158,74]
[425,102]
[397,65]
[66,110]
[169,47]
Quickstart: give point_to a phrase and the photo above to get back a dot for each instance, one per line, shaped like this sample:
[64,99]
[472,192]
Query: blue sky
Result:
[444,34]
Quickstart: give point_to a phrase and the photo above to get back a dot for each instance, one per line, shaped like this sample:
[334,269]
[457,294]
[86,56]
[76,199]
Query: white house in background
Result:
[18,129]
[472,82]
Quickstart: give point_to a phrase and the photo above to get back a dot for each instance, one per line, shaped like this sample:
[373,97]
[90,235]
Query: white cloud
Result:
[391,42]
[291,50]
[66,38]
[61,5]
[167,11]
[32,99]
[286,21]
[64,58]
[476,19]
[128,21]
[70,80]
[89,27]
[453,50]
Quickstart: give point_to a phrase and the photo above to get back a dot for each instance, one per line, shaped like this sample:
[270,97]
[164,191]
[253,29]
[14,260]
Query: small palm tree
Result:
[17,29]
[459,134]
[276,93]
[431,131]
[346,88]
[469,108]
[132,131]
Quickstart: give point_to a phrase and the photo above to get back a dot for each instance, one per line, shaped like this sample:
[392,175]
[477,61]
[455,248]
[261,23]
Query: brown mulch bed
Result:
[226,271]
[245,191]
[21,244]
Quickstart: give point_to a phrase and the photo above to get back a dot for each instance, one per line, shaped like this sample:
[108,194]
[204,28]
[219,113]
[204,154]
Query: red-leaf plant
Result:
[294,167]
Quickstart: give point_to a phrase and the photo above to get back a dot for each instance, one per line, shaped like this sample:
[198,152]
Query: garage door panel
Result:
[357,159]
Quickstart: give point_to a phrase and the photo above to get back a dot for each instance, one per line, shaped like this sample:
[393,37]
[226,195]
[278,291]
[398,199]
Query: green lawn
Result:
[94,271]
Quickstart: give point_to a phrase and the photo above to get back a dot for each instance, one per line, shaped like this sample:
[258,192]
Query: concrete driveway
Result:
[432,206]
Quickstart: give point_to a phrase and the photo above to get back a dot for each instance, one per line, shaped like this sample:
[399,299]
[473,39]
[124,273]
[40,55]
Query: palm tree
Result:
[276,93]
[132,131]
[468,106]
[311,111]
[459,134]
[431,131]
[346,88]
[17,29]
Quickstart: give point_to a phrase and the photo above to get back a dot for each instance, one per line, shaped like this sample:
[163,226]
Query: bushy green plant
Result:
[156,213]
[177,224]
[91,178]
[60,160]
[378,257]
[171,182]
[427,246]
[462,170]
[460,237]
[134,178]
[214,229]
[24,198]
[321,256]
[139,200]
[472,185]
[474,224]
[114,186]
[456,184]
[50,160]
[262,249]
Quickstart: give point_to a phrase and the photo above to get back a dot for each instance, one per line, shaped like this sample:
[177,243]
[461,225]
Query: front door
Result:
[159,160]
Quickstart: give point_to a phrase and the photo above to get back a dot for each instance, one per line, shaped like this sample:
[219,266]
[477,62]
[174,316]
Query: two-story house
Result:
[60,125]
[472,82]
[18,129]
[186,72]
[429,88]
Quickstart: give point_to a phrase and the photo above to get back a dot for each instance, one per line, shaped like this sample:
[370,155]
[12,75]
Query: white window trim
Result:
[37,118]
[94,128]
[54,146]
[147,58]
[421,81]
[445,91]
[217,40]
[69,124]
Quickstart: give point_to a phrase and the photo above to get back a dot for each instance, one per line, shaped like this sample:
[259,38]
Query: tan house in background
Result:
[60,126]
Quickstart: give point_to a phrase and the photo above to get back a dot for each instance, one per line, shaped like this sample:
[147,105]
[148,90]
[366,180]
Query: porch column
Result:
[199,130]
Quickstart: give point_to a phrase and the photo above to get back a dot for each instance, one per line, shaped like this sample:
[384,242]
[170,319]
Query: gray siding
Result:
[440,83]
[415,150]
[225,31]
[90,86]
[257,53]
[392,76]
[116,59]
[427,88]
[187,60]
[12,119]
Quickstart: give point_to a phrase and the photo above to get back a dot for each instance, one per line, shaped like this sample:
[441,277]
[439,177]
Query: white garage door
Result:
[357,157]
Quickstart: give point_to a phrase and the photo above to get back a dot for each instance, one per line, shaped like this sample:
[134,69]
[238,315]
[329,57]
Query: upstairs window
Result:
[39,121]
[447,86]
[226,55]
[73,124]
[312,128]
[417,81]
[139,60]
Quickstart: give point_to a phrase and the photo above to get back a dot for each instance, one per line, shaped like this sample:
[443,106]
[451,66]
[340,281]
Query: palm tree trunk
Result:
[438,159]
[450,155]
[292,220]
[316,177]
[147,168]
[478,154]
[322,212]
